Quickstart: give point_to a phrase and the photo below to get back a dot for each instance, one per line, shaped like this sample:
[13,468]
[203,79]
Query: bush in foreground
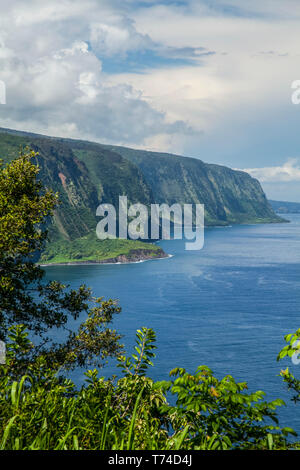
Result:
[41,410]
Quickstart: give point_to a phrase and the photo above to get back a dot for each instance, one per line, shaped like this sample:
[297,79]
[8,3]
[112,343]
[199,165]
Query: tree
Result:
[40,412]
[25,208]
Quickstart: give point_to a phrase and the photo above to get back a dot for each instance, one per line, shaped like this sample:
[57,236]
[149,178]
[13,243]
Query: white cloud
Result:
[117,36]
[289,171]
[50,60]
[53,55]
[35,12]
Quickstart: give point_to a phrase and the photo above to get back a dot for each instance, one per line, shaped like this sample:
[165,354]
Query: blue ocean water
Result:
[227,306]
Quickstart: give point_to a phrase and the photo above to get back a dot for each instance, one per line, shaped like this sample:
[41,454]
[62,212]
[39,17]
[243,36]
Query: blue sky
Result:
[204,78]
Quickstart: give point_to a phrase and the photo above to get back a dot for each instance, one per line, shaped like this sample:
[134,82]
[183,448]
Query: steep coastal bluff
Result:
[86,174]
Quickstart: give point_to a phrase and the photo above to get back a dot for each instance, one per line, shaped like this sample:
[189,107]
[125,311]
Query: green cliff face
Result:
[229,196]
[86,174]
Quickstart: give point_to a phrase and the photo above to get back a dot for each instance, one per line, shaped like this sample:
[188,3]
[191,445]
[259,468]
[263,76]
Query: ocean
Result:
[227,306]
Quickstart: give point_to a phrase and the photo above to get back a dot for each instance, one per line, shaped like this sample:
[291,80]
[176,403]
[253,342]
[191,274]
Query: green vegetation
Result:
[81,187]
[229,197]
[86,174]
[291,349]
[40,407]
[91,249]
[24,297]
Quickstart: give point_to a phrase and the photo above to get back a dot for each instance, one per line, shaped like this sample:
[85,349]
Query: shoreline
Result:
[124,259]
[108,262]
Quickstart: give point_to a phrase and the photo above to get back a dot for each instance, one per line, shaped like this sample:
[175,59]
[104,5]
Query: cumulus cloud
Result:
[214,78]
[289,171]
[51,59]
[117,35]
[67,92]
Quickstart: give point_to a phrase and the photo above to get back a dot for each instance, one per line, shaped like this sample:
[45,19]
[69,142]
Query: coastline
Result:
[119,260]
[139,255]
